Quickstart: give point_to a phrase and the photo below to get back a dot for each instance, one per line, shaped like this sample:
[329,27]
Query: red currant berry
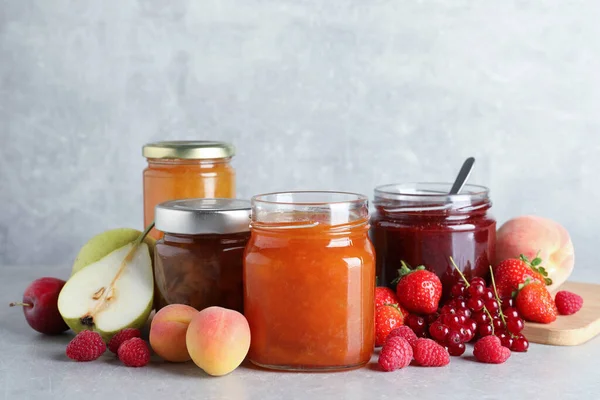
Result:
[515,325]
[464,311]
[438,331]
[456,322]
[431,318]
[453,338]
[481,318]
[506,340]
[520,344]
[478,281]
[488,294]
[498,325]
[507,302]
[484,330]
[476,291]
[457,350]
[511,313]
[492,306]
[459,304]
[475,304]
[447,309]
[467,334]
[458,289]
[417,324]
[472,325]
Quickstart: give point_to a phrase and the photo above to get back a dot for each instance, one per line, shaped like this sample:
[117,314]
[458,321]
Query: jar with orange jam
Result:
[309,281]
[186,170]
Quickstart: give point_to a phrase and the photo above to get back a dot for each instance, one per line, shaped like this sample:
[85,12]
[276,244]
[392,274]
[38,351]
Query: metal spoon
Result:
[463,175]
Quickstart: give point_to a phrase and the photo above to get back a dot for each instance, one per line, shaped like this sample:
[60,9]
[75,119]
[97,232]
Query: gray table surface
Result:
[33,366]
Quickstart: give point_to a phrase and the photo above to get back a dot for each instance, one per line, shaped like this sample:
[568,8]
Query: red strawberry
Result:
[509,274]
[418,290]
[386,296]
[568,303]
[535,303]
[386,318]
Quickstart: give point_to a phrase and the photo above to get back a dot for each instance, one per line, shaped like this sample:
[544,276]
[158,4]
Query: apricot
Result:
[529,234]
[218,340]
[168,330]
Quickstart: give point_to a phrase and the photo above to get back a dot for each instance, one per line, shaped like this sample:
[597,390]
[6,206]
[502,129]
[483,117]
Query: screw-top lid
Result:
[189,149]
[203,216]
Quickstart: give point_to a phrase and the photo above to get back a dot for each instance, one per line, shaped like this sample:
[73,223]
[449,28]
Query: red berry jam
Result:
[423,225]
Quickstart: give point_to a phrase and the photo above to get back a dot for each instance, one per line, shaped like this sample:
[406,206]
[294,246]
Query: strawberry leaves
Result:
[536,265]
[405,270]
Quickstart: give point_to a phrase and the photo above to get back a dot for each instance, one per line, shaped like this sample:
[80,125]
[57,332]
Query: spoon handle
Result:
[463,175]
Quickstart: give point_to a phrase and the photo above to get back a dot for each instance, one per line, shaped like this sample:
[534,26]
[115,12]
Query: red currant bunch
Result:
[476,311]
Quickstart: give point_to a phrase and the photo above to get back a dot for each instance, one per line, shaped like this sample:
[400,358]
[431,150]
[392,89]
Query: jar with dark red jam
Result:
[421,224]
[199,260]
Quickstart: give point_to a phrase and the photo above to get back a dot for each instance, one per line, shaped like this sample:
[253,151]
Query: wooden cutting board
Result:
[570,330]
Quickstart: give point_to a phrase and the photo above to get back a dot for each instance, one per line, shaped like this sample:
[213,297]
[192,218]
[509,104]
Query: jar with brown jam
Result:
[199,260]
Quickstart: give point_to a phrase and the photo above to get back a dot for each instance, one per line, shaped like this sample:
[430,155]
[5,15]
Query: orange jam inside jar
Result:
[186,170]
[309,281]
[199,260]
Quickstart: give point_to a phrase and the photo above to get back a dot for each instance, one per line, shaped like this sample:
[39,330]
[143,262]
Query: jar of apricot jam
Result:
[186,170]
[421,224]
[199,260]
[309,281]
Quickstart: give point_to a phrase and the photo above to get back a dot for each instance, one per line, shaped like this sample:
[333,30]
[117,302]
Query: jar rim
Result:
[286,198]
[429,191]
[308,209]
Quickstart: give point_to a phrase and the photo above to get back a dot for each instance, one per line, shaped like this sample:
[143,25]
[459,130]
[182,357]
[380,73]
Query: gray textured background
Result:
[336,94]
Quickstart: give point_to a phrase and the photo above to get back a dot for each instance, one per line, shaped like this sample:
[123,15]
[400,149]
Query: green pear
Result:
[104,243]
[111,294]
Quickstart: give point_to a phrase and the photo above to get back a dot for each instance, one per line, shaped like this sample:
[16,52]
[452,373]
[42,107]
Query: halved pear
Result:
[106,242]
[111,294]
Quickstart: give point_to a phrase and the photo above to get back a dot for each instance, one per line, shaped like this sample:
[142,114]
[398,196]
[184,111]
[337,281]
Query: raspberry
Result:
[395,354]
[122,336]
[86,346]
[489,350]
[428,353]
[134,352]
[404,332]
[568,302]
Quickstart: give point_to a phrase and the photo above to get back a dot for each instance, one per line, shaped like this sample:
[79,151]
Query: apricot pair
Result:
[216,339]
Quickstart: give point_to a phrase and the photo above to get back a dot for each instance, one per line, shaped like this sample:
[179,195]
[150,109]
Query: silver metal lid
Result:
[203,216]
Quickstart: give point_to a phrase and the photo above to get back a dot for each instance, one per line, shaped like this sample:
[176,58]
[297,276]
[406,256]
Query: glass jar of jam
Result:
[309,281]
[199,260]
[186,170]
[421,224]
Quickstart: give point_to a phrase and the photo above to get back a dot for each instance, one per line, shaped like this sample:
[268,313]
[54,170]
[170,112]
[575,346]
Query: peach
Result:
[168,330]
[218,340]
[530,234]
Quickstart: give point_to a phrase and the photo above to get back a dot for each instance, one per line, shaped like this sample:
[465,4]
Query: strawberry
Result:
[418,290]
[535,303]
[509,274]
[387,317]
[386,296]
